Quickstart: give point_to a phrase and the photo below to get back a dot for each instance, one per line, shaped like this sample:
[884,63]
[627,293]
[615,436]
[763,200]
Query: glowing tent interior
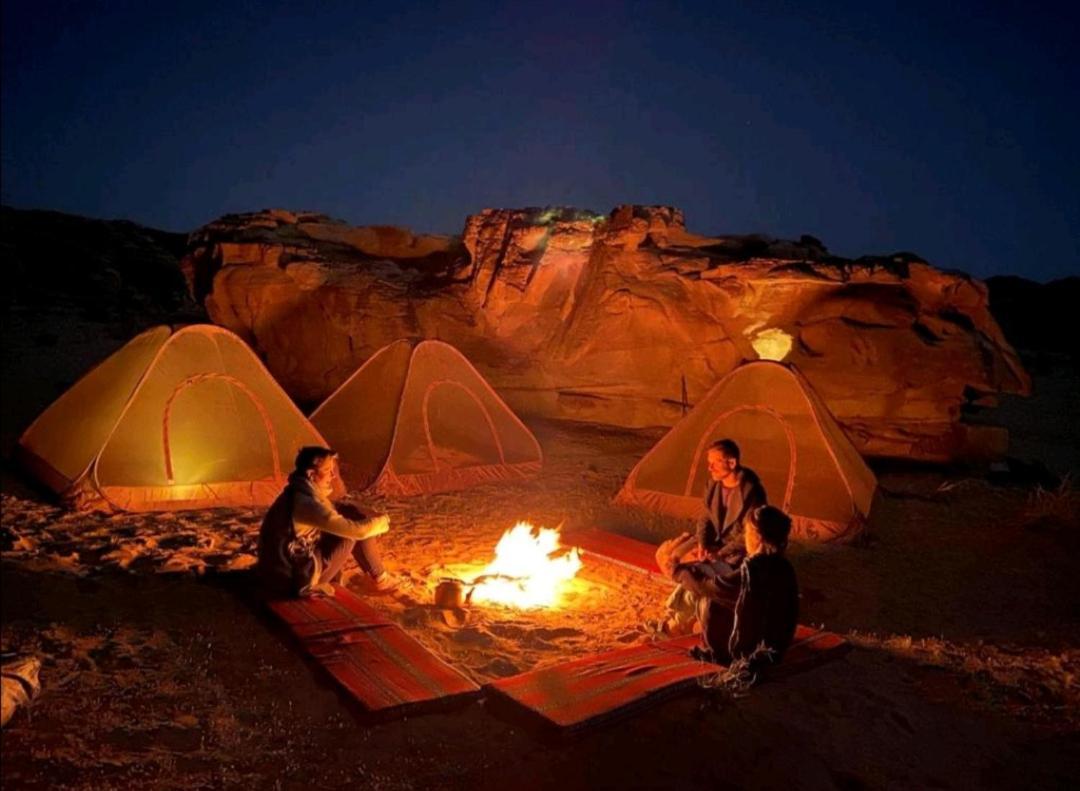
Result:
[173,420]
[416,419]
[785,433]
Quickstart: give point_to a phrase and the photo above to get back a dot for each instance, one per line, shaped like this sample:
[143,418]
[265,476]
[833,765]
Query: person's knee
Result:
[342,549]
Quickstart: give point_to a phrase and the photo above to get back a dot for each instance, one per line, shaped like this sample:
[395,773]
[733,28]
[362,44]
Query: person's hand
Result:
[682,545]
[380,524]
[733,559]
[712,555]
[666,557]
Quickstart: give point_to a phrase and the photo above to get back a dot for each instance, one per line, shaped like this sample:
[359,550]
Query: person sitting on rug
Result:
[732,492]
[305,541]
[750,612]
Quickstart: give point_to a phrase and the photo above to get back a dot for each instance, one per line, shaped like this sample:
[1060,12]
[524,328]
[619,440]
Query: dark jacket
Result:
[288,562]
[766,609]
[720,530]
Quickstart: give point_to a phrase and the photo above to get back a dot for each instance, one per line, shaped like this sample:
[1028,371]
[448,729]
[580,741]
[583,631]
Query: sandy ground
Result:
[604,607]
[160,670]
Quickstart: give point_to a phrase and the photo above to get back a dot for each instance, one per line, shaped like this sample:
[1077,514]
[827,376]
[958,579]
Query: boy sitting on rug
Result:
[305,540]
[749,612]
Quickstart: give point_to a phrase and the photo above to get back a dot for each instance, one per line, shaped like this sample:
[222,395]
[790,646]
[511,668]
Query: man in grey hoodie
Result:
[732,493]
[305,540]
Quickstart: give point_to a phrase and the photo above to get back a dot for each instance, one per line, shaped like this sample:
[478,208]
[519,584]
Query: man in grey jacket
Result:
[733,492]
[305,540]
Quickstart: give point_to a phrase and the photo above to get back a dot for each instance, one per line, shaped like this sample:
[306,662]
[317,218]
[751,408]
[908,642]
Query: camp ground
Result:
[195,408]
[448,396]
[360,508]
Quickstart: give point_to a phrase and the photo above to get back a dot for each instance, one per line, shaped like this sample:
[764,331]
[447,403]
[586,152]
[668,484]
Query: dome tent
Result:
[173,420]
[418,418]
[785,434]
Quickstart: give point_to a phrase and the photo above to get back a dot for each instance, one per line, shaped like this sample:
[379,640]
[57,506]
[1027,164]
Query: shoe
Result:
[387,582]
[669,627]
[319,589]
[679,627]
[654,628]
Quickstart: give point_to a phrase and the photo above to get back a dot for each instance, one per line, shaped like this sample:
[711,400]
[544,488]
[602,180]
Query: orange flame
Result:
[528,570]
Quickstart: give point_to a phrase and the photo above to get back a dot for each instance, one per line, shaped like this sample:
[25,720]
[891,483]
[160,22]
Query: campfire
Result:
[530,568]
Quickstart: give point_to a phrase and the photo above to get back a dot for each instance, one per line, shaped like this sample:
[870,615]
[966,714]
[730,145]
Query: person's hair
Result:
[308,457]
[727,447]
[773,525]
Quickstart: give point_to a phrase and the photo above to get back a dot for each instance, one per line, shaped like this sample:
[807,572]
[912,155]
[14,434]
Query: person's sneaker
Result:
[654,628]
[319,589]
[679,627]
[387,582]
[668,627]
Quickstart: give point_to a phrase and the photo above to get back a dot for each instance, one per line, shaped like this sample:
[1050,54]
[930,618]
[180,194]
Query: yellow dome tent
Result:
[173,420]
[420,419]
[785,434]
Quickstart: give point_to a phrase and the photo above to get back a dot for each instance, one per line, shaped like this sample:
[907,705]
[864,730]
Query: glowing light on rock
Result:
[529,570]
[771,344]
[546,216]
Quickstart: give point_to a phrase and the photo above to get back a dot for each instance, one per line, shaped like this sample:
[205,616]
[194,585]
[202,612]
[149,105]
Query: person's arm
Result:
[707,529]
[749,629]
[708,536]
[733,551]
[701,532]
[695,578]
[326,518]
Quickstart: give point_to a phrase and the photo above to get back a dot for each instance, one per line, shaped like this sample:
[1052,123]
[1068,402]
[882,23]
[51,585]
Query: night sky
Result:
[949,129]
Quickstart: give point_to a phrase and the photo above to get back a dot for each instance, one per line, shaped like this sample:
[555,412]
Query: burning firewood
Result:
[529,570]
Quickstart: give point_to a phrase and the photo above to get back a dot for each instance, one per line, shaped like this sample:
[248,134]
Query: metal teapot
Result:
[452,593]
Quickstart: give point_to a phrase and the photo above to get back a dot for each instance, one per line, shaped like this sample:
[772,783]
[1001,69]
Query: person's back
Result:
[305,539]
[276,564]
[767,611]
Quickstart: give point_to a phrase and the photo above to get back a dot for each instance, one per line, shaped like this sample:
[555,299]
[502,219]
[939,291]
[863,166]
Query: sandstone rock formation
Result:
[626,319]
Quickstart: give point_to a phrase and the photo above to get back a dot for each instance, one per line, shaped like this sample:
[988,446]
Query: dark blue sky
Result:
[949,129]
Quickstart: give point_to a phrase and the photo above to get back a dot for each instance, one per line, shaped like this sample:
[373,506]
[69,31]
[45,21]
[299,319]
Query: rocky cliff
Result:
[625,319]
